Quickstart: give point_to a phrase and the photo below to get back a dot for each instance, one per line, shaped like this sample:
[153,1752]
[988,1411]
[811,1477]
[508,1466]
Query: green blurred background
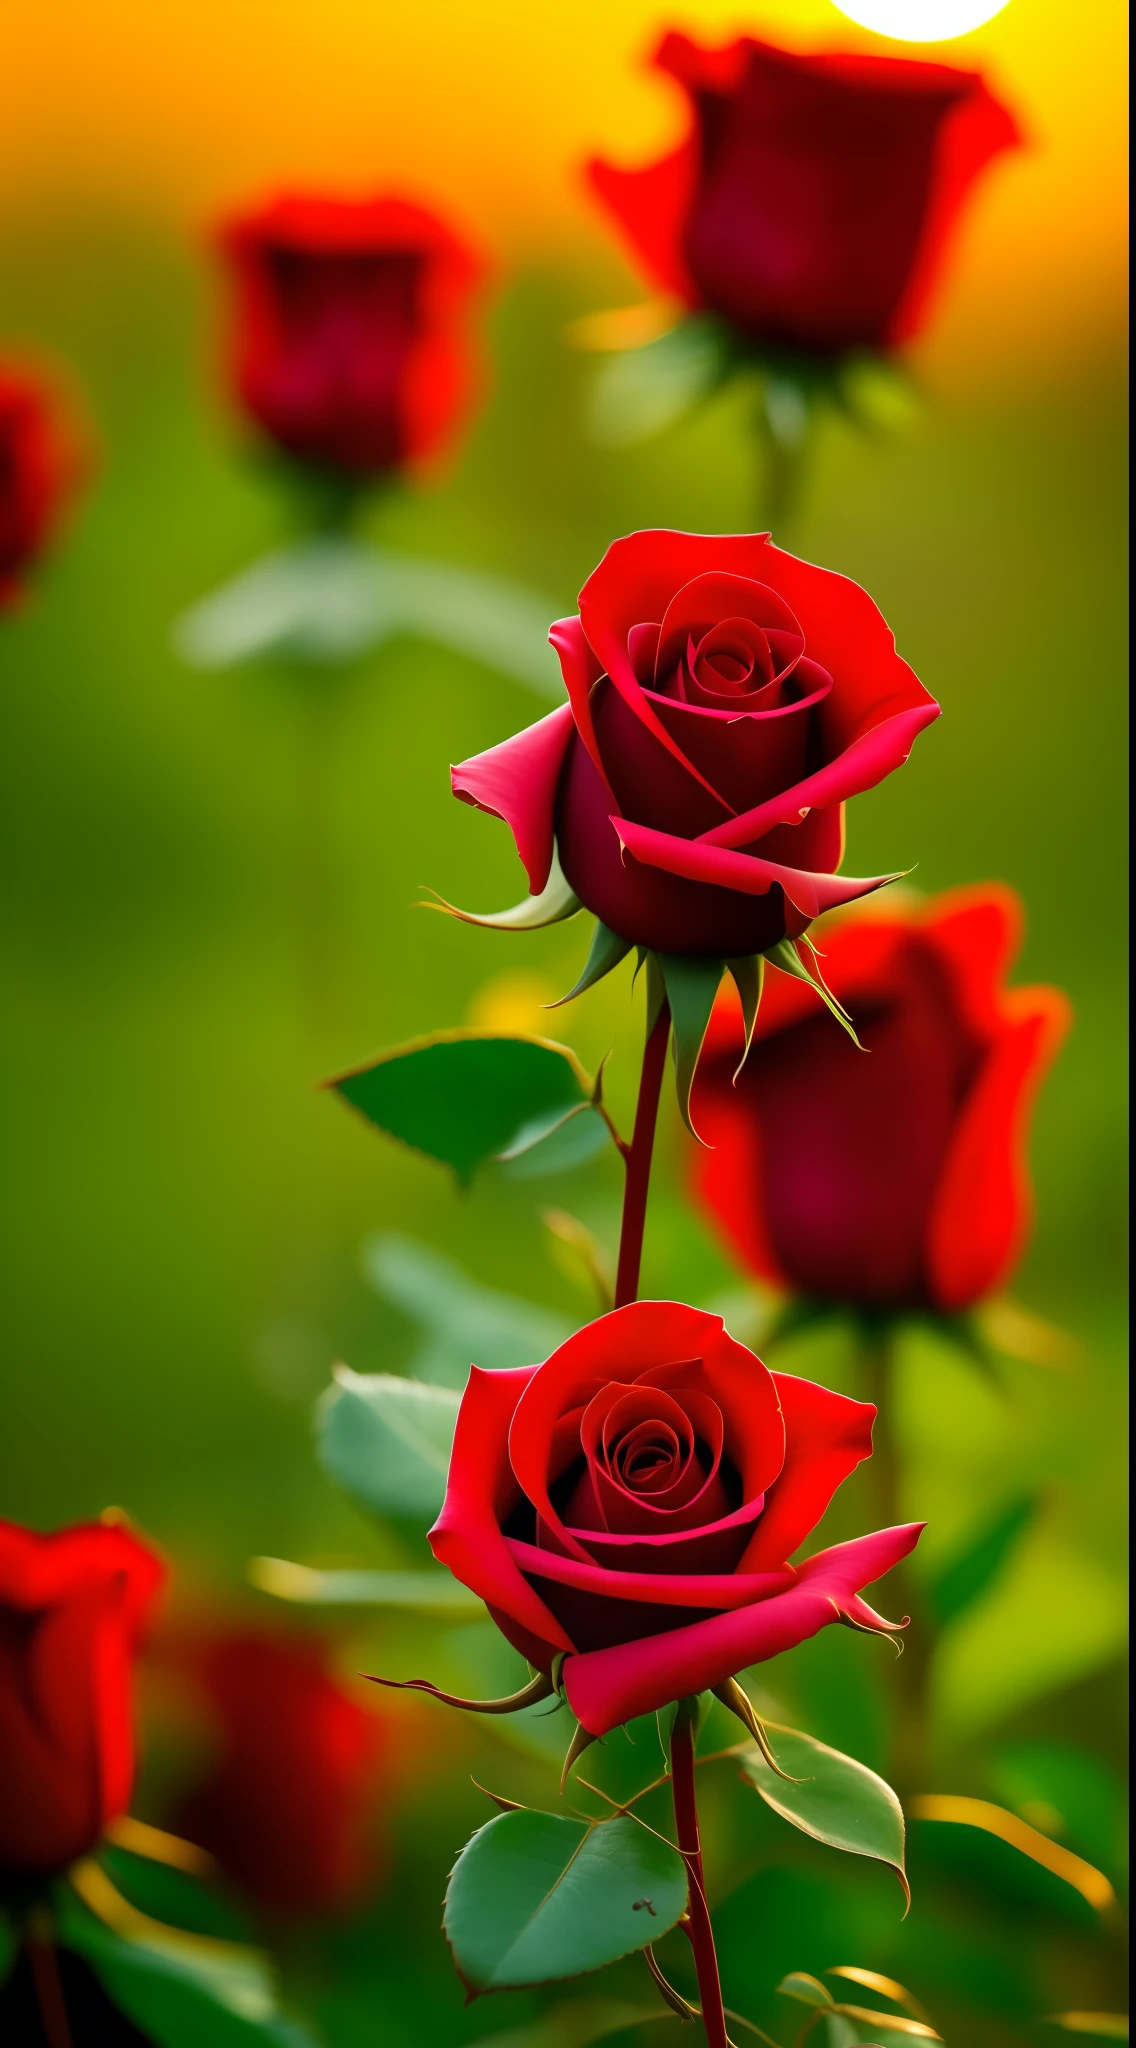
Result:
[208,889]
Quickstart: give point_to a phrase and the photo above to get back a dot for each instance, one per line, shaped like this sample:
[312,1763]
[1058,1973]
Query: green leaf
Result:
[331,599]
[974,1568]
[575,2026]
[387,1442]
[835,1799]
[642,390]
[462,1322]
[465,1097]
[535,1897]
[432,1593]
[691,985]
[180,1990]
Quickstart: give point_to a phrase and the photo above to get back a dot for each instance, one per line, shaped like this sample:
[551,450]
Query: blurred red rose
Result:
[895,1177]
[350,345]
[285,1806]
[39,466]
[724,700]
[811,204]
[72,1605]
[634,1501]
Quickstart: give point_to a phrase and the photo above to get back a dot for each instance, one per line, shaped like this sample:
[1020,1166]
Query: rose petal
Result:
[517,782]
[481,1493]
[715,595]
[698,861]
[864,762]
[826,1436]
[607,1687]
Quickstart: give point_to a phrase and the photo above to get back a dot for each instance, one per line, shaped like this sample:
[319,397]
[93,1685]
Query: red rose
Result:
[350,346]
[811,204]
[894,1179]
[633,1502]
[284,1807]
[38,467]
[71,1610]
[724,700]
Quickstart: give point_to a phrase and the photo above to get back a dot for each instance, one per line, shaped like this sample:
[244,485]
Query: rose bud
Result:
[811,204]
[284,1806]
[72,1606]
[631,1506]
[725,698]
[896,1180]
[349,346]
[39,466]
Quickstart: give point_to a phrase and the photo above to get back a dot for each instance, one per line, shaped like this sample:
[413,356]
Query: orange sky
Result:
[487,107]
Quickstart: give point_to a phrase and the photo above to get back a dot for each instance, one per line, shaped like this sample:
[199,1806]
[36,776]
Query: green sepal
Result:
[605,952]
[785,956]
[537,1897]
[556,901]
[691,984]
[748,976]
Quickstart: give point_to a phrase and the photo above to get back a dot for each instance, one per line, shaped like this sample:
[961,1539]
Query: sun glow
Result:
[921,21]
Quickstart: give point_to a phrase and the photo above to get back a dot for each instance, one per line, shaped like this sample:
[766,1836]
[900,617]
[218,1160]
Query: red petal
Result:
[480,1494]
[982,1207]
[651,206]
[517,782]
[606,1687]
[826,1436]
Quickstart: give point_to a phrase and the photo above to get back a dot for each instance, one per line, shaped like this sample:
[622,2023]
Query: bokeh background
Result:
[208,881]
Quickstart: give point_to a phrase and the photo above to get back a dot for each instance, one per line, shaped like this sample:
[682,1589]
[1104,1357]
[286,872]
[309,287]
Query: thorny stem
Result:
[911,1671]
[48,1988]
[639,1159]
[697,1924]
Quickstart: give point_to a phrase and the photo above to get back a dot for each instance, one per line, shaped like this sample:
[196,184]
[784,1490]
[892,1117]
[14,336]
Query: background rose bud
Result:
[634,1503]
[39,466]
[811,204]
[72,1606]
[284,1807]
[896,1177]
[350,344]
[725,699]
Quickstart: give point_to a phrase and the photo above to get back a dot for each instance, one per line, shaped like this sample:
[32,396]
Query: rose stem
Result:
[697,1927]
[911,1670]
[639,1159]
[48,1990]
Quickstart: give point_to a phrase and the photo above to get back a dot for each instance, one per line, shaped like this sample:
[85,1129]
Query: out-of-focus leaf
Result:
[1066,1793]
[574,2026]
[960,1812]
[641,391]
[535,1897]
[886,1986]
[1017,1332]
[835,1798]
[964,1580]
[387,1442]
[183,1990]
[1102,2026]
[1005,1650]
[805,1989]
[330,600]
[463,1323]
[433,1593]
[8,1947]
[465,1097]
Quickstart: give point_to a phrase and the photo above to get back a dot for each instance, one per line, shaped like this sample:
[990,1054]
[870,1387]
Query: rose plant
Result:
[632,1510]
